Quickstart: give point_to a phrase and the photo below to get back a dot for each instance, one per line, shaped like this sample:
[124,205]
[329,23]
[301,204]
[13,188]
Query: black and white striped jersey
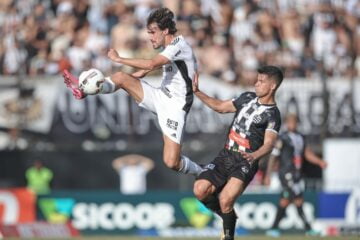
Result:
[178,74]
[250,122]
[290,149]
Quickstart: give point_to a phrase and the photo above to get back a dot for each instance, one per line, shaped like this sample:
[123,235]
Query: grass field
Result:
[285,237]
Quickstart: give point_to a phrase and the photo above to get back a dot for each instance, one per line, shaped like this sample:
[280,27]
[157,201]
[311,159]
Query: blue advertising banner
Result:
[162,213]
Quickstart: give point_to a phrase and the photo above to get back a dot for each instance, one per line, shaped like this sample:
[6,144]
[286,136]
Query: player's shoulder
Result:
[273,111]
[243,99]
[178,40]
[301,135]
[248,95]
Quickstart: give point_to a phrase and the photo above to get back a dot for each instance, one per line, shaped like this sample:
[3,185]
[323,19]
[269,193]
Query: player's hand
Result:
[267,181]
[195,83]
[114,56]
[140,73]
[248,156]
[323,165]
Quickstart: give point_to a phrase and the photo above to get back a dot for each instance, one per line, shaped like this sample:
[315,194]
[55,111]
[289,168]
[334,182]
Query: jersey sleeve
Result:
[173,51]
[243,98]
[305,141]
[274,121]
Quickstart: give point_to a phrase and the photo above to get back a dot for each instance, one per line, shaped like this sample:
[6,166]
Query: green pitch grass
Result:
[285,237]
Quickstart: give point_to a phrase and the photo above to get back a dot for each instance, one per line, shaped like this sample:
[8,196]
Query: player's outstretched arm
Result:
[313,158]
[140,74]
[221,106]
[145,64]
[274,156]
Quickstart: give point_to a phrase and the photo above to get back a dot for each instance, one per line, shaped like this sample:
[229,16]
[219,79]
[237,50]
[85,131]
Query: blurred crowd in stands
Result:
[231,38]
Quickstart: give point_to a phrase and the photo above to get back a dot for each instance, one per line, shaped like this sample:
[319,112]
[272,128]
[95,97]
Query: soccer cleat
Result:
[312,233]
[224,237]
[72,82]
[273,233]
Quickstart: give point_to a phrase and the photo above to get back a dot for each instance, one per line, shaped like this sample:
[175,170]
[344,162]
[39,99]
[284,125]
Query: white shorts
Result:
[168,108]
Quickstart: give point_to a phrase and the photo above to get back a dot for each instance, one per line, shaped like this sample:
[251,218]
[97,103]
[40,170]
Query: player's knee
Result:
[284,202]
[298,202]
[226,203]
[119,78]
[200,190]
[171,163]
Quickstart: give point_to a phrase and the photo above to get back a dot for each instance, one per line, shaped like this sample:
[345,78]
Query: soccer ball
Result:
[90,82]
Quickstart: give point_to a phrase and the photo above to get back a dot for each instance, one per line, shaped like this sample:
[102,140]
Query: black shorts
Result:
[293,185]
[226,165]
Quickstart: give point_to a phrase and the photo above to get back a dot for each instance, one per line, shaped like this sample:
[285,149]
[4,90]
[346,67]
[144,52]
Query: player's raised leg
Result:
[174,160]
[129,83]
[118,80]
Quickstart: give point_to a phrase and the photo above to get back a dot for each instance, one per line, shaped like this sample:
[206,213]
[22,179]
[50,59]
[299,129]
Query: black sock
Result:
[212,203]
[229,223]
[302,216]
[279,215]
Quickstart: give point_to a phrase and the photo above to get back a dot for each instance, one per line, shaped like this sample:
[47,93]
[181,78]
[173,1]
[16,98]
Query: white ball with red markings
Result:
[90,81]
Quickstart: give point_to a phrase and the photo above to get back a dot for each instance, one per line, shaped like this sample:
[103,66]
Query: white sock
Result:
[189,167]
[108,86]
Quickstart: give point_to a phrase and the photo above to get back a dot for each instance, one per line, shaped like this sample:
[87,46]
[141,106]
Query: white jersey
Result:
[178,74]
[133,179]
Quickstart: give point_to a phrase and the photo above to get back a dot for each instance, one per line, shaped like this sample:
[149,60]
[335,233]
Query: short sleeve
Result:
[243,98]
[274,121]
[172,51]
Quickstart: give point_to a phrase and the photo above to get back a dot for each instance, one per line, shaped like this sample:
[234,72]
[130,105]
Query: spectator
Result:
[38,178]
[132,170]
[290,34]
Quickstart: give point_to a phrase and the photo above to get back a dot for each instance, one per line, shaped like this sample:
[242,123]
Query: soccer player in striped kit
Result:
[252,135]
[291,150]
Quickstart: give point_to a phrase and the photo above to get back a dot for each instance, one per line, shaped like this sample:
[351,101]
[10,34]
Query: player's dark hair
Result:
[272,72]
[164,18]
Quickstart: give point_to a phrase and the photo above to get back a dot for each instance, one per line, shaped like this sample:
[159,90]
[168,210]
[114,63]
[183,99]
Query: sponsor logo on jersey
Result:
[172,124]
[245,169]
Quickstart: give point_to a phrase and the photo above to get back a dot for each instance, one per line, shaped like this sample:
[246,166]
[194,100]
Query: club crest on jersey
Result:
[257,119]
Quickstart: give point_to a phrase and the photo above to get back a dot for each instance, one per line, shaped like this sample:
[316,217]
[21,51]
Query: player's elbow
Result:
[222,109]
[151,65]
[269,147]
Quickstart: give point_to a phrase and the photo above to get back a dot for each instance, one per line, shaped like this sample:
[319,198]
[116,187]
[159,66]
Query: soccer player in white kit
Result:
[172,101]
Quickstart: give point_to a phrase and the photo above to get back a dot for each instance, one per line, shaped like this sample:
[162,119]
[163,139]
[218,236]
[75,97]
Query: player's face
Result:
[291,123]
[157,36]
[264,85]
